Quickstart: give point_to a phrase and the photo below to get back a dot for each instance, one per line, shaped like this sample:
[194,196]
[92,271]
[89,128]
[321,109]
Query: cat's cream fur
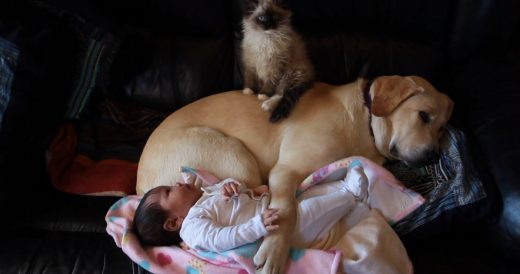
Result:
[275,60]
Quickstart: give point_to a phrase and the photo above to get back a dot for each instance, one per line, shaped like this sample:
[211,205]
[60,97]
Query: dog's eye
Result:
[425,117]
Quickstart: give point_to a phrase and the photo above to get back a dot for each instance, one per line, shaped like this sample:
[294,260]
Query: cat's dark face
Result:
[267,14]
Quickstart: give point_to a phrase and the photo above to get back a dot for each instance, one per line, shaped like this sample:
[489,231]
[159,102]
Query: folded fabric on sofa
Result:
[72,172]
[8,59]
[448,186]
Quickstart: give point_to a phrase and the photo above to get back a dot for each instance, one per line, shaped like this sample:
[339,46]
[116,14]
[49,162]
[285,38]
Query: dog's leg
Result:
[274,251]
[206,148]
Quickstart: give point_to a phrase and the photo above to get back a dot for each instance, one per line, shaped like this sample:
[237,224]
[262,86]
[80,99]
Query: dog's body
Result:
[230,136]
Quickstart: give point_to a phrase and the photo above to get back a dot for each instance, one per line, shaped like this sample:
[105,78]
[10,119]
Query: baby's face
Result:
[177,199]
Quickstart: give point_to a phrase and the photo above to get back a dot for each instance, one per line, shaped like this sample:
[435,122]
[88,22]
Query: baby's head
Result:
[160,214]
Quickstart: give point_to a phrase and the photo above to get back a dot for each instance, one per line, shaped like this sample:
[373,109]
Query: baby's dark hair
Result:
[148,224]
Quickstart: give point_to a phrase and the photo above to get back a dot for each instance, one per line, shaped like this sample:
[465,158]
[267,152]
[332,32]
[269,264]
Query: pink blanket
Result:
[396,203]
[173,259]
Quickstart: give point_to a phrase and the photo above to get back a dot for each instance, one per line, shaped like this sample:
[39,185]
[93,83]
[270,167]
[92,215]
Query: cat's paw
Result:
[262,97]
[248,91]
[271,103]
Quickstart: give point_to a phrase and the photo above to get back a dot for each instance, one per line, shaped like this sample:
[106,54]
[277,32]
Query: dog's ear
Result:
[390,91]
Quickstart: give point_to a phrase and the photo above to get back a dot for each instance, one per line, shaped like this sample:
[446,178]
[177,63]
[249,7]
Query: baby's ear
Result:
[172,224]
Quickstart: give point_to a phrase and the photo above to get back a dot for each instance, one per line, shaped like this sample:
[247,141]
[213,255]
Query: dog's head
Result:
[409,117]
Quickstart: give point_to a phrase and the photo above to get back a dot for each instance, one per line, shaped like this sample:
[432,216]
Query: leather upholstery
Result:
[491,112]
[174,52]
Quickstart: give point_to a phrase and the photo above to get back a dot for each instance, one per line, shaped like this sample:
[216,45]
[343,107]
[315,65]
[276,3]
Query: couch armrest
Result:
[30,201]
[486,93]
[64,212]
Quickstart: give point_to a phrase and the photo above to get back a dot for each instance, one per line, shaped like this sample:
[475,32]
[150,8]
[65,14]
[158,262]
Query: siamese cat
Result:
[276,65]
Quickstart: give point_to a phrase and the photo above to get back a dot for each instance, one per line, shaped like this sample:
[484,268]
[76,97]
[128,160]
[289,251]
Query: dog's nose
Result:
[394,152]
[431,157]
[427,158]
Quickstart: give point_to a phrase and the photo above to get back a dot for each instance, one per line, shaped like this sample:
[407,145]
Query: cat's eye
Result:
[262,18]
[425,117]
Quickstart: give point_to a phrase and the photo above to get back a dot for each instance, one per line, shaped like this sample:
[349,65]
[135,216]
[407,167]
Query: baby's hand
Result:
[261,189]
[230,189]
[268,217]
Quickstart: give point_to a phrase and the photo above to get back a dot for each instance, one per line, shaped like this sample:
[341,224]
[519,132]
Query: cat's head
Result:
[267,14]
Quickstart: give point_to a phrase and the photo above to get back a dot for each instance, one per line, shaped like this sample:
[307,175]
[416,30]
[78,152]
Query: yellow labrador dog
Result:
[229,134]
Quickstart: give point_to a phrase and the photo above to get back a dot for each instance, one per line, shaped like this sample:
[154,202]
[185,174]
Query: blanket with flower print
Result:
[172,259]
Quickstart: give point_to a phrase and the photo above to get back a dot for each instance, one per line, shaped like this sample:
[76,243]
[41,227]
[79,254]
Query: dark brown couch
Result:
[161,55]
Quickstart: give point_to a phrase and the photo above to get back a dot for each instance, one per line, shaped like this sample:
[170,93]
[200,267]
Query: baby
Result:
[227,215]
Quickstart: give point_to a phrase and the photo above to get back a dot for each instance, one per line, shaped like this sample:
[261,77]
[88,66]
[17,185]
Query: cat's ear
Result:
[282,3]
[250,6]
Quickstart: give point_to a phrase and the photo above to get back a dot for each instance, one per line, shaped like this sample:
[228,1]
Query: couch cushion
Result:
[32,251]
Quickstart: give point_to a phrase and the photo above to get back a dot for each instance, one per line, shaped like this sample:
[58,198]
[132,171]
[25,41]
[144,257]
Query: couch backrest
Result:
[391,36]
[174,52]
[484,27]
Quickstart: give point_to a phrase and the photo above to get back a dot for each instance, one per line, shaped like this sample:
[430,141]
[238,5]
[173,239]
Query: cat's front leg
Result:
[270,103]
[250,82]
[268,88]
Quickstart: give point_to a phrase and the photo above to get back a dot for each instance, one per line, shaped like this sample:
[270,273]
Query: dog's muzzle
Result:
[428,157]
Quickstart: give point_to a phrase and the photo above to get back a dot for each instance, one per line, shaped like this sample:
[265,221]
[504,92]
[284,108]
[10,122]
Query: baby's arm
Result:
[202,232]
[230,187]
[227,188]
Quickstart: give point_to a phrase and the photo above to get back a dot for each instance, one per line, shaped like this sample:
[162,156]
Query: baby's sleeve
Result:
[202,232]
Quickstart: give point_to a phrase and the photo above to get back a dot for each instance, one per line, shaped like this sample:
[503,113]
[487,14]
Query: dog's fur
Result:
[230,136]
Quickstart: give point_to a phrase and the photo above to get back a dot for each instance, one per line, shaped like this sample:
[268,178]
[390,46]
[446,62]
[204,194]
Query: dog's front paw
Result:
[248,91]
[272,255]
